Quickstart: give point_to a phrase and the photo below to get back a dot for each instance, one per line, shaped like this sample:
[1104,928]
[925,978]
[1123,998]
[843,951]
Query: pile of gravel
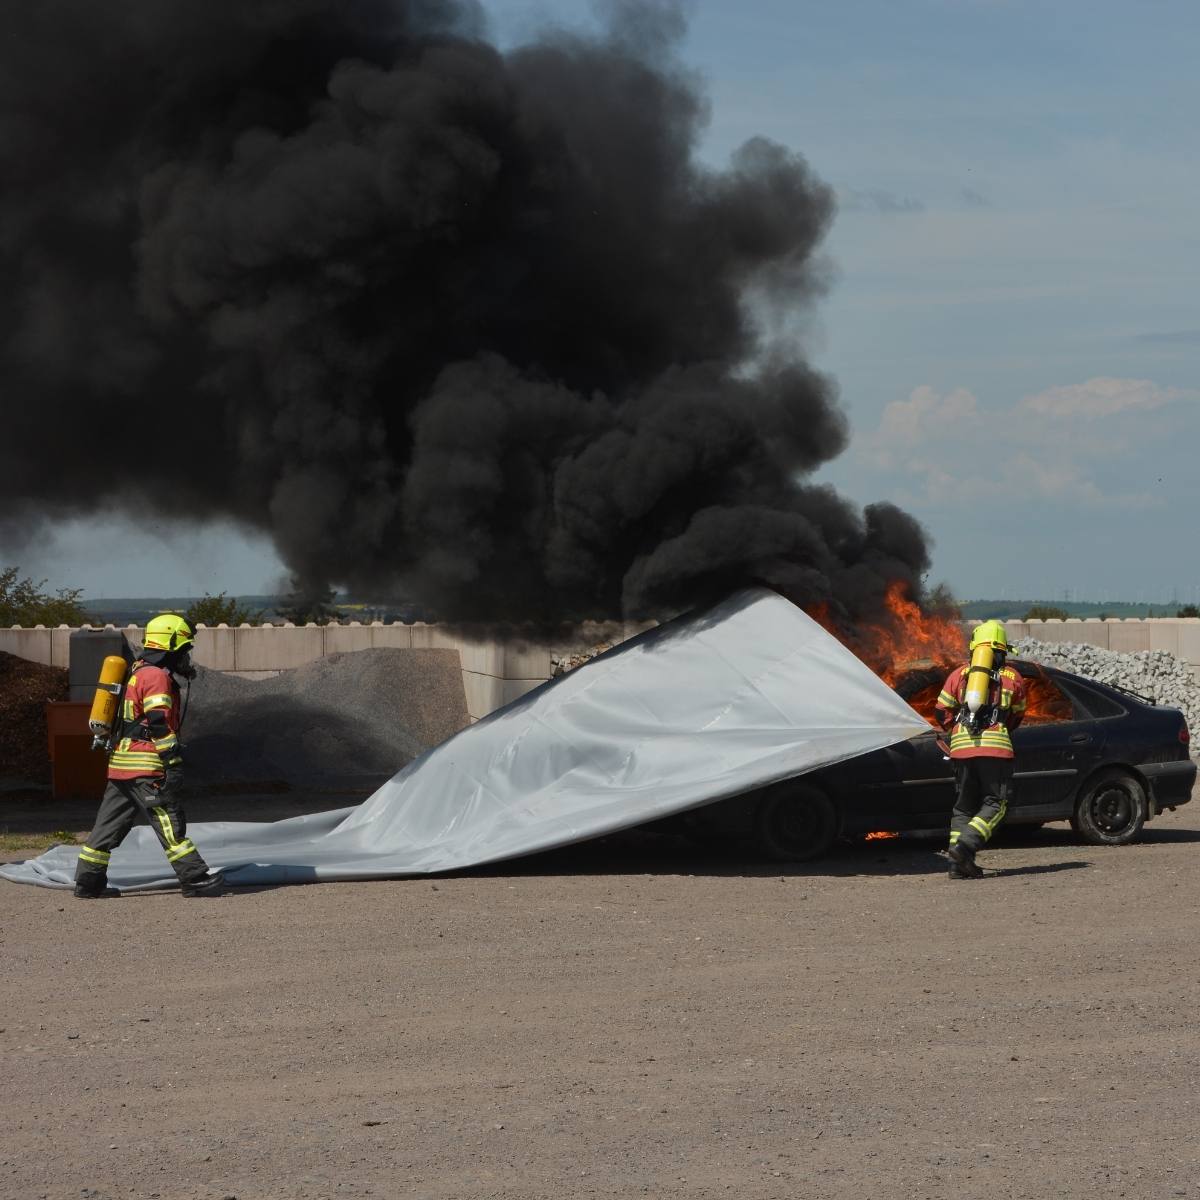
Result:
[342,721]
[1155,673]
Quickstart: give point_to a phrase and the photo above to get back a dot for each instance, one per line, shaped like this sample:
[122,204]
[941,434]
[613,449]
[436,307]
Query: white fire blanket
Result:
[704,707]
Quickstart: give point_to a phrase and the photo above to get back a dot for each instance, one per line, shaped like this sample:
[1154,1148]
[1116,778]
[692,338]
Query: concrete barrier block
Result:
[1163,634]
[1127,637]
[484,694]
[527,662]
[514,689]
[391,637]
[433,637]
[278,647]
[484,658]
[34,645]
[216,647]
[1189,641]
[1090,632]
[60,646]
[1053,631]
[344,639]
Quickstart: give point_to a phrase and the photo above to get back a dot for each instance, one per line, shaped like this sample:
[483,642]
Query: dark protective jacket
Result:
[1006,697]
[150,731]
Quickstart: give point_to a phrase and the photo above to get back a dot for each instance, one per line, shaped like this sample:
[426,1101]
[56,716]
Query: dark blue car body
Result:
[1110,763]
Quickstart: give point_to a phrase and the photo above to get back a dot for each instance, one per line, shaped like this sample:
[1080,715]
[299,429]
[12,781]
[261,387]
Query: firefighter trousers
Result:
[984,790]
[124,801]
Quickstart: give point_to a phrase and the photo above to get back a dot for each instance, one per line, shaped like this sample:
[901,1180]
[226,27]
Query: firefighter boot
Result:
[94,887]
[212,884]
[962,862]
[974,871]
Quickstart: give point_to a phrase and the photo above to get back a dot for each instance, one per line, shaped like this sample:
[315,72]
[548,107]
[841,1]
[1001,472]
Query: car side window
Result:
[1045,701]
[1098,705]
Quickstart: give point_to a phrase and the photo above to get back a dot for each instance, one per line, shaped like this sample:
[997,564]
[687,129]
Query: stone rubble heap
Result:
[562,661]
[1155,673]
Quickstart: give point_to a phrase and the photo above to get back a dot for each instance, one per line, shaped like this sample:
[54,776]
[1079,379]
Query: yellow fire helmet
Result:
[169,631]
[990,633]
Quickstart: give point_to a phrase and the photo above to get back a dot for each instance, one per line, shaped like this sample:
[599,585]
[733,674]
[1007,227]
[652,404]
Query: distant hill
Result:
[1015,610]
[137,610]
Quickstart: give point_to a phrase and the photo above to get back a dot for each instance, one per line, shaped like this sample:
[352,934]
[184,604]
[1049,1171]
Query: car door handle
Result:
[1080,739]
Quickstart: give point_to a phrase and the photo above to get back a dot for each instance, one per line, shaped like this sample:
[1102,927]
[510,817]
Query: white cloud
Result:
[926,417]
[1103,397]
[1057,445]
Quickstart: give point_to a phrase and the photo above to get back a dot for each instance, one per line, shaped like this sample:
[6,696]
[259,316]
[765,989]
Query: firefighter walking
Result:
[982,702]
[145,767]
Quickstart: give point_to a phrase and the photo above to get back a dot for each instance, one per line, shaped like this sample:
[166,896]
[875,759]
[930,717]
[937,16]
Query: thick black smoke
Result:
[472,324]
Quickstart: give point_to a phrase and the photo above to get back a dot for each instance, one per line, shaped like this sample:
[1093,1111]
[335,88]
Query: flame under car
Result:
[1104,759]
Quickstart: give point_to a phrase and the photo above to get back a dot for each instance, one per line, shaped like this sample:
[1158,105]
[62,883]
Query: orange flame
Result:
[903,640]
[907,642]
[879,835]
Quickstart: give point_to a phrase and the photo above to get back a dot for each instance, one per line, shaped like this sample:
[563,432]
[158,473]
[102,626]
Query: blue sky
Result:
[1013,319]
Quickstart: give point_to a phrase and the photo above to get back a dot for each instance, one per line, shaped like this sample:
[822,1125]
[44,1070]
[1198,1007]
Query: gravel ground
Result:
[629,1018]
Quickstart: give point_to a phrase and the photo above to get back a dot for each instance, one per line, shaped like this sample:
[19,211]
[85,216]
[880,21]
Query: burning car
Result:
[1105,759]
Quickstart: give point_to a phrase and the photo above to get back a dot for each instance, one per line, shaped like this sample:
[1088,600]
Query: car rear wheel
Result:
[795,824]
[1111,809]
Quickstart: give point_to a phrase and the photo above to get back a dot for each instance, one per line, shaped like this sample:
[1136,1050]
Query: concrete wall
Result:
[1178,635]
[493,674]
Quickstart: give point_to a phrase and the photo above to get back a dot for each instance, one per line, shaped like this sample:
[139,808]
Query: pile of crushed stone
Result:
[345,720]
[1154,673]
[24,689]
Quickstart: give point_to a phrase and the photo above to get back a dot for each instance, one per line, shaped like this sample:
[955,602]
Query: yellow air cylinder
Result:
[108,689]
[979,677]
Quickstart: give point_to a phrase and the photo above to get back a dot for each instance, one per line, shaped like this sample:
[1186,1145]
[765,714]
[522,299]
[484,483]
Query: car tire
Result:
[1110,809]
[795,824]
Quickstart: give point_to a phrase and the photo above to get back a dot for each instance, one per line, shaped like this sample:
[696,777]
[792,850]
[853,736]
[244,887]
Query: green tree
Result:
[1046,612]
[1189,610]
[221,610]
[22,602]
[941,603]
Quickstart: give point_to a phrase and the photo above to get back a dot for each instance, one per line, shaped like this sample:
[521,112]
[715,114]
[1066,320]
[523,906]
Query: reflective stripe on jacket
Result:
[1007,692]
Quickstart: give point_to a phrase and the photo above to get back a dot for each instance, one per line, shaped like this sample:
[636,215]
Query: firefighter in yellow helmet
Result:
[145,767]
[982,702]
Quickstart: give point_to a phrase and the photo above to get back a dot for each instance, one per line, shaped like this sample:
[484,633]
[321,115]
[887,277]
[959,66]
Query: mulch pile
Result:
[24,689]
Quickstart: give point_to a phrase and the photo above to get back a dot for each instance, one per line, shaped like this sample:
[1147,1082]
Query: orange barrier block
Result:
[77,772]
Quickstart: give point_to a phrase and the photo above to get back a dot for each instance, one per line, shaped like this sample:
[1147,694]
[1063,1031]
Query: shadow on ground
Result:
[34,812]
[638,852]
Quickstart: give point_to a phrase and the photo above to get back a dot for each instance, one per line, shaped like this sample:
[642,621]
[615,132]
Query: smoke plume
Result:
[472,324]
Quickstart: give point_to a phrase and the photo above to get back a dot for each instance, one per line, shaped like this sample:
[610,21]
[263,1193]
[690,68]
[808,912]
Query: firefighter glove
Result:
[172,783]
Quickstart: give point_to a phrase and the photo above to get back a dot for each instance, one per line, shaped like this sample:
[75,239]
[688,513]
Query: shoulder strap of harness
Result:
[139,729]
